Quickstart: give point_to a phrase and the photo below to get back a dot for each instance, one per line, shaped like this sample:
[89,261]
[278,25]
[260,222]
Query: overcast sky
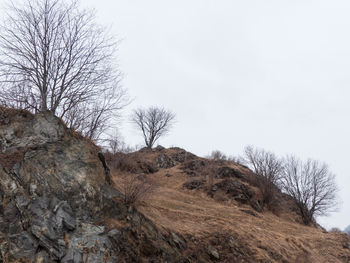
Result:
[274,74]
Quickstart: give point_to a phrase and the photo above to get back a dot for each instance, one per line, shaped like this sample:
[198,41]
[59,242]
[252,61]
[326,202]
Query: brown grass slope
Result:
[216,226]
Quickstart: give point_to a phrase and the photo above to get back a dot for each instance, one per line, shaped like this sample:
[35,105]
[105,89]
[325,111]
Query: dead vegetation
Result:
[8,160]
[228,224]
[136,188]
[7,114]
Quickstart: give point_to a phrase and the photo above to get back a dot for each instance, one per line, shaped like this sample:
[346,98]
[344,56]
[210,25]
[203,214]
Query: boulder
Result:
[180,155]
[228,172]
[23,245]
[213,253]
[89,244]
[164,161]
[193,167]
[235,189]
[194,184]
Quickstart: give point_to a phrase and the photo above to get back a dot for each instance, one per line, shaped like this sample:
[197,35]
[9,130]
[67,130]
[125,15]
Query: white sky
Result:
[274,74]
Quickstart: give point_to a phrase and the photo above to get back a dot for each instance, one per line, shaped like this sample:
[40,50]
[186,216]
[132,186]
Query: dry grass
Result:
[7,114]
[276,238]
[136,189]
[8,160]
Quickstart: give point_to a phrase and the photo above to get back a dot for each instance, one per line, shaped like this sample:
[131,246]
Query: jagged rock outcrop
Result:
[41,157]
[55,198]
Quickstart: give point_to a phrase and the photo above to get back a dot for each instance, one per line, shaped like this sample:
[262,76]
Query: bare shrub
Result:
[116,144]
[153,122]
[335,230]
[135,189]
[236,159]
[217,155]
[221,196]
[131,163]
[125,163]
[209,172]
[268,169]
[311,185]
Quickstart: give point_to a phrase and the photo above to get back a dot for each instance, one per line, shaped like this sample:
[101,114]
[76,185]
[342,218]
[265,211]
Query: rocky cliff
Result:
[56,203]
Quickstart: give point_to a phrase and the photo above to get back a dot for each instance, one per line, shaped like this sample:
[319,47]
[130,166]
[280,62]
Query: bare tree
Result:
[268,168]
[53,57]
[154,123]
[116,144]
[311,185]
[95,118]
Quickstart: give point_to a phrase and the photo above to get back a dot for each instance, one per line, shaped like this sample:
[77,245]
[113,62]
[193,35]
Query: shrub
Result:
[268,169]
[217,155]
[135,189]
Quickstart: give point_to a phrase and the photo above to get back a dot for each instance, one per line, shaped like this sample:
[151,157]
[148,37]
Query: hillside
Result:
[57,204]
[60,202]
[224,225]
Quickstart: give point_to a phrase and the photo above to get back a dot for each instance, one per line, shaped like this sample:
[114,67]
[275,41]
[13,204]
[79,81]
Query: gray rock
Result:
[49,222]
[23,245]
[164,161]
[213,252]
[43,257]
[49,160]
[346,245]
[159,148]
[92,229]
[114,234]
[73,256]
[258,205]
[88,244]
[228,172]
[235,189]
[12,223]
[232,242]
[3,225]
[181,155]
[180,243]
[194,184]
[64,215]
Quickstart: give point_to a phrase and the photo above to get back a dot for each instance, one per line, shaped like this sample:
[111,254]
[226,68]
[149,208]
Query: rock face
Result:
[40,157]
[54,187]
[164,161]
[50,179]
[236,190]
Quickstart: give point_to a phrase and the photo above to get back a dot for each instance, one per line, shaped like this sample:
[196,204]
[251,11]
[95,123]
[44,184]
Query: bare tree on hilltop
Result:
[53,57]
[154,123]
[311,185]
[268,168]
